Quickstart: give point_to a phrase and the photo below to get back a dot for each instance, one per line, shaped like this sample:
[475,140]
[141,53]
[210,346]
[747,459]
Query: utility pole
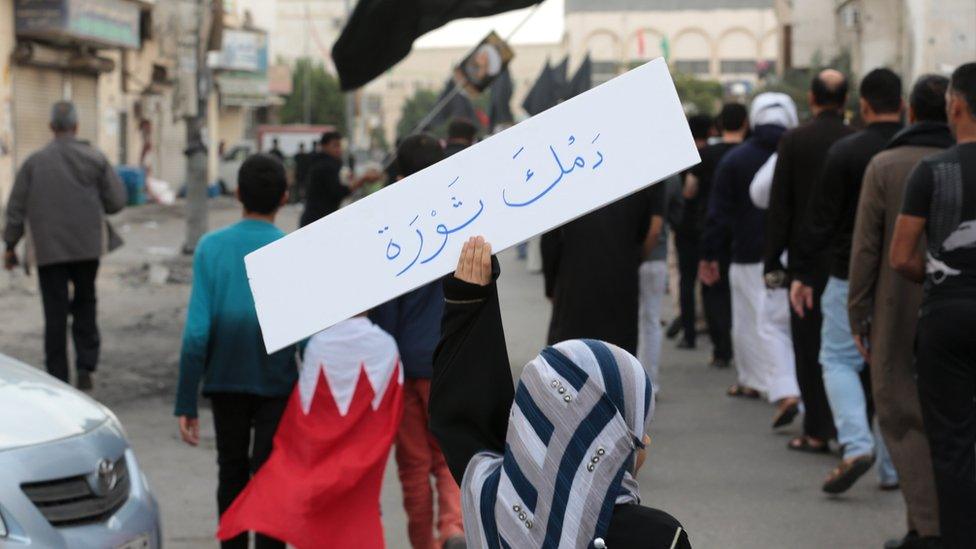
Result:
[307,80]
[196,148]
[350,101]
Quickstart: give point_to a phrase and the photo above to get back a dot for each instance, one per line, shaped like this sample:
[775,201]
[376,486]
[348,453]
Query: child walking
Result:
[414,320]
[223,346]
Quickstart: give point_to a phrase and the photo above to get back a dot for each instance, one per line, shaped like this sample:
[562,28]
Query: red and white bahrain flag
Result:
[321,485]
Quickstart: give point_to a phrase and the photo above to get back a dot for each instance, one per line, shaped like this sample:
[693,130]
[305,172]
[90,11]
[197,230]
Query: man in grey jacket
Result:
[61,195]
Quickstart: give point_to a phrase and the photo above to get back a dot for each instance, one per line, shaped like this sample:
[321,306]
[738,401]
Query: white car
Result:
[68,478]
[230,164]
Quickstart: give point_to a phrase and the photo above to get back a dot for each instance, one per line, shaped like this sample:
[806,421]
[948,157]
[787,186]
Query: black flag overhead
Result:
[544,93]
[458,106]
[381,32]
[500,108]
[559,73]
[582,80]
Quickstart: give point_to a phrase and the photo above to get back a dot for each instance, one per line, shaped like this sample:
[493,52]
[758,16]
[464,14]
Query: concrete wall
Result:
[813,29]
[912,37]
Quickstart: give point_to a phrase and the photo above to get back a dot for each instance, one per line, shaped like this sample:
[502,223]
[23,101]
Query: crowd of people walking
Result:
[835,260]
[835,256]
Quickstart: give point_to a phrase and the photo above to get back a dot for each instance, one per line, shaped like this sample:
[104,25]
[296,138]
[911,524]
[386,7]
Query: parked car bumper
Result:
[134,524]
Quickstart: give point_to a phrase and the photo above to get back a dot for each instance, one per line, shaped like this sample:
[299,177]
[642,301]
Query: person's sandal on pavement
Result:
[806,444]
[847,473]
[785,415]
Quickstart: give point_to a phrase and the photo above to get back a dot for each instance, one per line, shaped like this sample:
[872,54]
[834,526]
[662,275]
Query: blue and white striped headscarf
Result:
[581,410]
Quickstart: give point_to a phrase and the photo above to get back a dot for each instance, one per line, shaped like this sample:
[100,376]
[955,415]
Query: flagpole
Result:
[454,87]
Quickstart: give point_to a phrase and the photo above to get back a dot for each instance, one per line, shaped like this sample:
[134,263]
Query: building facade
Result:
[115,59]
[912,37]
[128,67]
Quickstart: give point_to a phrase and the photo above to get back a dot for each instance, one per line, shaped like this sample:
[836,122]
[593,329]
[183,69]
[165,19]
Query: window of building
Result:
[737,66]
[692,66]
[604,70]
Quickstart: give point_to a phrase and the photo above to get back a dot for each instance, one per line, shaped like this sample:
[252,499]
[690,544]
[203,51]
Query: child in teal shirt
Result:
[222,342]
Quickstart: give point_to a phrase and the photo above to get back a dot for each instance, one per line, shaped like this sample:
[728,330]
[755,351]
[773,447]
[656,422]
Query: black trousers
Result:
[80,303]
[945,356]
[717,302]
[237,417]
[818,422]
[687,247]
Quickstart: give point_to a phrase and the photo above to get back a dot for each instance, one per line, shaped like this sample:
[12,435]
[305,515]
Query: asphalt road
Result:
[714,462]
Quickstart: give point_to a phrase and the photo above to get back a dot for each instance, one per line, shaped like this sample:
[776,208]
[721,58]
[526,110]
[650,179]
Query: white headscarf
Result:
[773,108]
[770,108]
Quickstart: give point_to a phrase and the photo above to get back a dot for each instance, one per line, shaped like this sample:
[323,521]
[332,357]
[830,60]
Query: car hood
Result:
[38,408]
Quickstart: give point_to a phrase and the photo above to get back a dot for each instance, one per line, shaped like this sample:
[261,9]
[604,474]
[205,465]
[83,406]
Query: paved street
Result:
[714,462]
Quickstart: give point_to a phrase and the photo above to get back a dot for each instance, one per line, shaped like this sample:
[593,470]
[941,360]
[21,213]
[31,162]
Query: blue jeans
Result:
[842,365]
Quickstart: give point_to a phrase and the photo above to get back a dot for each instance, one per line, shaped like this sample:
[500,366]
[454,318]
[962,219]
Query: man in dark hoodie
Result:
[414,321]
[883,306]
[733,216]
[828,226]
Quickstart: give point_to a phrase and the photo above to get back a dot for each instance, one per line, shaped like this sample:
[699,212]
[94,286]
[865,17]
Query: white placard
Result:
[584,153]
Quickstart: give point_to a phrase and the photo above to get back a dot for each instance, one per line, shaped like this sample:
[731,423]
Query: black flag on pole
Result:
[381,32]
[559,78]
[458,106]
[500,108]
[543,94]
[582,80]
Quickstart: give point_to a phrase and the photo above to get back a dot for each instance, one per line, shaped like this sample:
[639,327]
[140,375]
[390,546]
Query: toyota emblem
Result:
[105,479]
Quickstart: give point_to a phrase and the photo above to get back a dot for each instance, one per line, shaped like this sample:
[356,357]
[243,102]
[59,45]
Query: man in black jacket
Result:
[828,227]
[717,297]
[325,190]
[800,159]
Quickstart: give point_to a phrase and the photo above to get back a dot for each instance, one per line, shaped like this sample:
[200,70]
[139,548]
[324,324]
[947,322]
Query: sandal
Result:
[786,415]
[804,444]
[847,473]
[742,391]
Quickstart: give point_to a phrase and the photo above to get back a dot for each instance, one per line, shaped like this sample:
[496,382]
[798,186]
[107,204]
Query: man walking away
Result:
[800,160]
[654,278]
[883,307]
[276,150]
[686,236]
[325,189]
[716,297]
[414,321]
[733,217]
[590,266]
[302,157]
[828,227]
[460,135]
[62,193]
[940,203]
[222,343]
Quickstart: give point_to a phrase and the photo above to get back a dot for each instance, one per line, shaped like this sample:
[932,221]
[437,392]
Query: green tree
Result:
[698,96]
[414,110]
[326,104]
